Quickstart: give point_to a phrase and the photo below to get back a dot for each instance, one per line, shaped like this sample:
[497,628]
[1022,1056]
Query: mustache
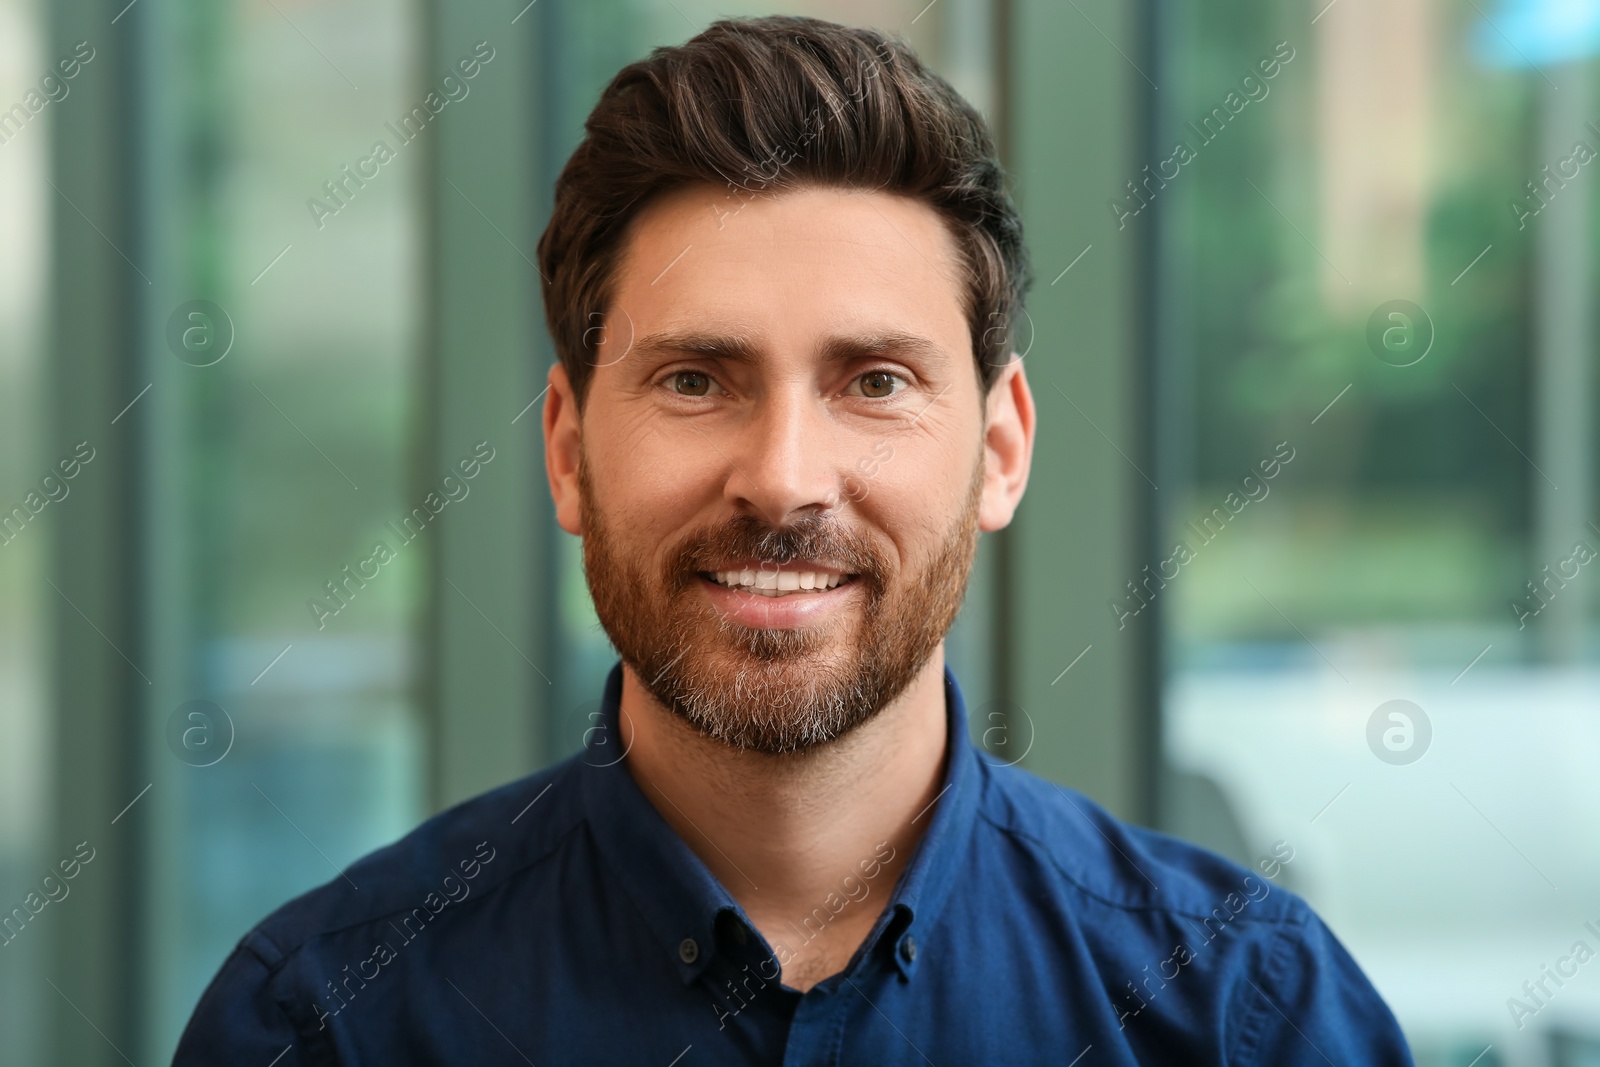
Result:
[810,537]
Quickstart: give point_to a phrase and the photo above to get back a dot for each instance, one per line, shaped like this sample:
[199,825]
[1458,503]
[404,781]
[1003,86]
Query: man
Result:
[779,276]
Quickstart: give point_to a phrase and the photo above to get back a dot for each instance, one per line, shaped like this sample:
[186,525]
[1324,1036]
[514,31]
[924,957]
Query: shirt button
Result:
[908,948]
[688,950]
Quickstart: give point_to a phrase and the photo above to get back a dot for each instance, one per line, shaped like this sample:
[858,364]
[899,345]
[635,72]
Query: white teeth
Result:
[769,583]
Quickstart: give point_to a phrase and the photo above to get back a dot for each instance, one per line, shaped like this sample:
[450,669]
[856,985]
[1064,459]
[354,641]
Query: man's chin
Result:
[730,653]
[772,702]
[757,723]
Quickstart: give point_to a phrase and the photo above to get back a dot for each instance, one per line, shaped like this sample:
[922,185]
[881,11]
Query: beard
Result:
[774,691]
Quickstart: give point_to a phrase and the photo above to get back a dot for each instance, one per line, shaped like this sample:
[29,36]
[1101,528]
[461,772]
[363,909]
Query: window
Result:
[25,782]
[1375,431]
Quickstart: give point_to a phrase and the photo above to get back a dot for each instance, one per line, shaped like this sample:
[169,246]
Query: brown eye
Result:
[691,383]
[878,383]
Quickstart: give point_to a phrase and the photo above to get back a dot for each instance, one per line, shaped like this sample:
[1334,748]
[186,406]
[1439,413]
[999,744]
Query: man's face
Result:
[781,458]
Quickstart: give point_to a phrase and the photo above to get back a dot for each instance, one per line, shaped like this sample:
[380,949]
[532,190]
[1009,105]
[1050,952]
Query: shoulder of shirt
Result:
[1122,866]
[515,826]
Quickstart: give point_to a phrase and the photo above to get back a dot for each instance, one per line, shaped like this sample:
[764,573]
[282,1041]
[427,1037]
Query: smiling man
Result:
[780,275]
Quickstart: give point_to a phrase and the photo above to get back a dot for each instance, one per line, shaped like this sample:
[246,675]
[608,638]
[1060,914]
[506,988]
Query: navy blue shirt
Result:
[560,920]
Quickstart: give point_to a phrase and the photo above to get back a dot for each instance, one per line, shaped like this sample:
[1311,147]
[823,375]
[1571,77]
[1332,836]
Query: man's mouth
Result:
[778,582]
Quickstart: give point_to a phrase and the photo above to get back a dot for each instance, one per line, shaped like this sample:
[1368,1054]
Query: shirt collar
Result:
[681,899]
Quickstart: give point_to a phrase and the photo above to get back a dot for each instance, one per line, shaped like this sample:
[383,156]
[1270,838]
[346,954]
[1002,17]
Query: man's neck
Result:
[784,833]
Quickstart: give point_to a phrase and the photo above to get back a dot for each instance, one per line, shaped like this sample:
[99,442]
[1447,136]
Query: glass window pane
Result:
[1376,417]
[24,537]
[283,438]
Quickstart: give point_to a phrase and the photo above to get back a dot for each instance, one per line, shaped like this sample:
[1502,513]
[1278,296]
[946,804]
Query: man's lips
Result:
[769,581]
[780,609]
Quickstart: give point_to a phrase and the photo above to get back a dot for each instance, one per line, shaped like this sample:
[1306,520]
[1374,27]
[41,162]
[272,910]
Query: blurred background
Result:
[1307,564]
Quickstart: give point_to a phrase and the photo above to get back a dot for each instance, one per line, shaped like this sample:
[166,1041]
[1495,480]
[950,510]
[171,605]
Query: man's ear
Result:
[563,445]
[1007,446]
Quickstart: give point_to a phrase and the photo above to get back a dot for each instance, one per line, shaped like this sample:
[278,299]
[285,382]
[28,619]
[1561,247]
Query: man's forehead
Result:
[831,272]
[702,227]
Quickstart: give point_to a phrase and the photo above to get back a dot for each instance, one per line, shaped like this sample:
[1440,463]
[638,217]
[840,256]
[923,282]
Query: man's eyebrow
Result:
[737,348]
[733,348]
[842,349]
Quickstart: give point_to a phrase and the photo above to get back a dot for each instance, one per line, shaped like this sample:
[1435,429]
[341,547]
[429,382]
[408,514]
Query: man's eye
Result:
[879,383]
[691,383]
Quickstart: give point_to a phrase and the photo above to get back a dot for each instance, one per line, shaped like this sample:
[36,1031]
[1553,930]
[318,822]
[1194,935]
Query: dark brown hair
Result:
[780,102]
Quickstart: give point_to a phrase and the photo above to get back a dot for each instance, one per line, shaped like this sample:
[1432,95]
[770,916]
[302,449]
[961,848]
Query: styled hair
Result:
[780,102]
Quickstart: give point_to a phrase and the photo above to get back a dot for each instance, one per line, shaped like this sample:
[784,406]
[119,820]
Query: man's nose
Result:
[785,461]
